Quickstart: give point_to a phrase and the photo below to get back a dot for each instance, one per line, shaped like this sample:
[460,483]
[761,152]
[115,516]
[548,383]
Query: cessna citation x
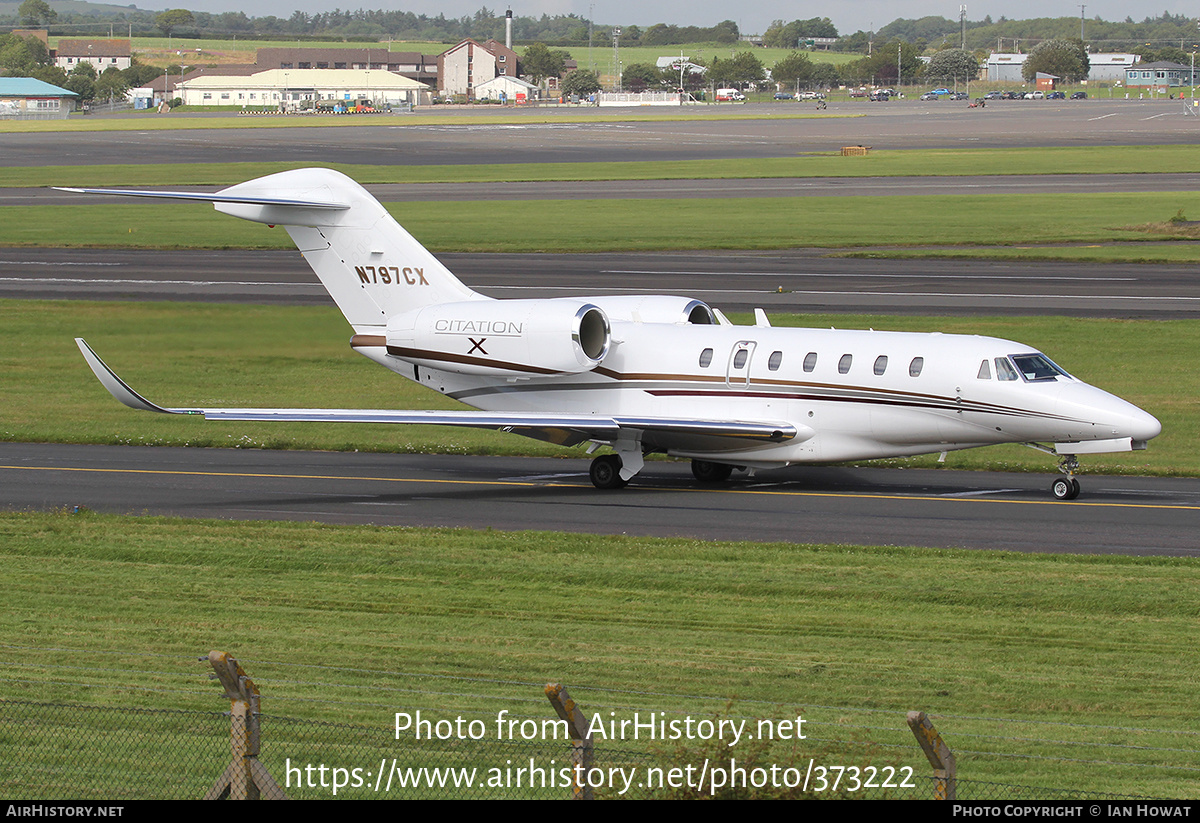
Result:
[656,374]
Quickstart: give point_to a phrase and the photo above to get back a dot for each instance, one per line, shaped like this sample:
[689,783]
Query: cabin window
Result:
[844,363]
[880,364]
[774,361]
[706,358]
[739,359]
[985,371]
[1005,370]
[914,368]
[810,361]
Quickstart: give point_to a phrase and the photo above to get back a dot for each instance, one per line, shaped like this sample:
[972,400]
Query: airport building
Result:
[295,89]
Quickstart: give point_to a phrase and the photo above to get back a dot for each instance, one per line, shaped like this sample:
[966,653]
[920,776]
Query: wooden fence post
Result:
[582,751]
[245,778]
[940,757]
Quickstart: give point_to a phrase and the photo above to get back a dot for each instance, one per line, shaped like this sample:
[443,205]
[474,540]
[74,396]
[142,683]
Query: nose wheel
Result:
[1065,488]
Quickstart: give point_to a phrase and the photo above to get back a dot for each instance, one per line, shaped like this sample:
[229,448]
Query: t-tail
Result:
[370,265]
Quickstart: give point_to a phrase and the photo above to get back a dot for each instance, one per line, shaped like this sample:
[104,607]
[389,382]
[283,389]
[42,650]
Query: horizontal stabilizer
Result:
[218,197]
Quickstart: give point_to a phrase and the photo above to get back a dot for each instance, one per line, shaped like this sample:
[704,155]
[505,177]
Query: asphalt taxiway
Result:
[534,136]
[872,506]
[792,281]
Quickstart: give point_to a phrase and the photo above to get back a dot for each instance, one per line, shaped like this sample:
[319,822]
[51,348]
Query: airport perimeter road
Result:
[403,141]
[1114,515]
[732,281]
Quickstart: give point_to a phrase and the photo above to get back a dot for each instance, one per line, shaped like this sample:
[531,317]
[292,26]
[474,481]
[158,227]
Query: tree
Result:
[881,67]
[793,71]
[824,76]
[541,62]
[1065,59]
[36,13]
[581,82]
[640,76]
[111,85]
[952,64]
[172,19]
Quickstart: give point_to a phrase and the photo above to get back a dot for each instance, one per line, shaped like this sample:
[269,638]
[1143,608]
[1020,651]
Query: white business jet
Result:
[656,374]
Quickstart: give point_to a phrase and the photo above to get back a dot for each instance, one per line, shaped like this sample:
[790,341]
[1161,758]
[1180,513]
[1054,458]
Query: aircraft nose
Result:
[1143,425]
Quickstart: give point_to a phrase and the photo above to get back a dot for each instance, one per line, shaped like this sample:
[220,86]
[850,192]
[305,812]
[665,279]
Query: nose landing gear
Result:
[1066,488]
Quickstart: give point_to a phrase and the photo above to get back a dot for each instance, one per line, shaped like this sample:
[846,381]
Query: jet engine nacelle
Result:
[655,308]
[503,337]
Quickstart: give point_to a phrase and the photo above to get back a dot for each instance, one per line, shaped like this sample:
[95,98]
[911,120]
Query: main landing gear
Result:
[707,472]
[606,472]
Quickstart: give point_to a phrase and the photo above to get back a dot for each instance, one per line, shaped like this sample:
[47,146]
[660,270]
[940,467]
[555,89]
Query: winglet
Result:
[117,387]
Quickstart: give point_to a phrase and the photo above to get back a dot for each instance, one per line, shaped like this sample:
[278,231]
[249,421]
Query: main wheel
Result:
[708,472]
[606,472]
[1065,488]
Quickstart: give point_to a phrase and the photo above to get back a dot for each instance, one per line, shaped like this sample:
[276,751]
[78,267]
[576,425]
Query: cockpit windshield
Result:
[1034,367]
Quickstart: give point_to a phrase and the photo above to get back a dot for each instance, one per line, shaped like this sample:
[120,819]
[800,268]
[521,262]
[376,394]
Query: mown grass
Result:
[648,225]
[353,623]
[245,356]
[907,163]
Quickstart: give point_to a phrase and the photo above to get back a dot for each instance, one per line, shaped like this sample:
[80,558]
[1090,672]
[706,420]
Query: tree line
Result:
[571,29]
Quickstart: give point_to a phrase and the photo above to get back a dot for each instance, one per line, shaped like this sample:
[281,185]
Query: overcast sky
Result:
[847,15]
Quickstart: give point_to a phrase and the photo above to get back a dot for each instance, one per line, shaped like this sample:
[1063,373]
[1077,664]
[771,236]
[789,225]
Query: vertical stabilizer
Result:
[371,266]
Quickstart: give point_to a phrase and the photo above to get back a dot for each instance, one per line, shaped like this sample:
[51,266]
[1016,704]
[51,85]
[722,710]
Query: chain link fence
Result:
[69,751]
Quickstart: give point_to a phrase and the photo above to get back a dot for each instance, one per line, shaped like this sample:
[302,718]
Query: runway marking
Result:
[88,281]
[55,264]
[1103,116]
[979,493]
[1156,116]
[629,489]
[877,276]
[831,293]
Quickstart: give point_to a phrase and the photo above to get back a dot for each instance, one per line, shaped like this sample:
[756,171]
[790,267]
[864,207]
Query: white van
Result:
[730,96]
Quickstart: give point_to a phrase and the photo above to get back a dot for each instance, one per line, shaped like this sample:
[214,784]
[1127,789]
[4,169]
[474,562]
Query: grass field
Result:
[883,223]
[909,163]
[244,356]
[352,623]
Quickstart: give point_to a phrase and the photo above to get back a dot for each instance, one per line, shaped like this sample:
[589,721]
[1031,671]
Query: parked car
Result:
[1035,95]
[1057,95]
[994,95]
[811,95]
[782,95]
[960,95]
[942,92]
[881,95]
[930,95]
[1079,95]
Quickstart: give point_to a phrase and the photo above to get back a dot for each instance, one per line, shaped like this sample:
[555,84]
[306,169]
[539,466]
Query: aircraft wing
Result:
[562,429]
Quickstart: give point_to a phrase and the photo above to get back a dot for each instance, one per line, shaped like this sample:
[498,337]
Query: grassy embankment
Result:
[848,636]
